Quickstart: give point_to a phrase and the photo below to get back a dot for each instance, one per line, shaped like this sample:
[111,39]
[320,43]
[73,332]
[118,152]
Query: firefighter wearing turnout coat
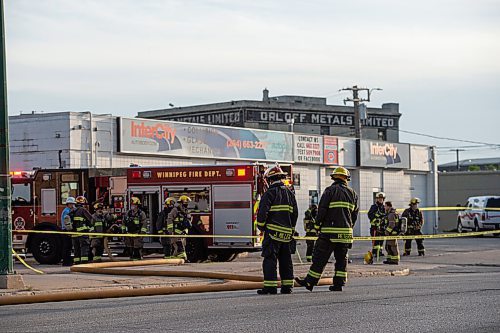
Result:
[393,228]
[134,223]
[101,222]
[180,219]
[164,228]
[309,221]
[415,223]
[337,214]
[81,221]
[276,218]
[376,214]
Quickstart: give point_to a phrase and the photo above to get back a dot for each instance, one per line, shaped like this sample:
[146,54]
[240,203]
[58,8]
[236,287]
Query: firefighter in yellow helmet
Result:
[81,222]
[376,214]
[309,222]
[337,214]
[101,222]
[393,228]
[414,227]
[180,219]
[134,222]
[276,218]
[166,229]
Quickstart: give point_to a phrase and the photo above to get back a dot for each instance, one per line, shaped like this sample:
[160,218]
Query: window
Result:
[68,190]
[200,196]
[382,134]
[493,203]
[21,194]
[324,130]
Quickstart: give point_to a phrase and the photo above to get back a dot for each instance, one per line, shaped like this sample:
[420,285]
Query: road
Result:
[455,288]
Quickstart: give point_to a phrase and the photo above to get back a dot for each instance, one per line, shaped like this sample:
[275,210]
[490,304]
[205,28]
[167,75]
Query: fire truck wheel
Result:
[47,249]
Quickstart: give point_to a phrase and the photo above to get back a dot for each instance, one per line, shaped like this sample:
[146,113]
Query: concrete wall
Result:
[456,187]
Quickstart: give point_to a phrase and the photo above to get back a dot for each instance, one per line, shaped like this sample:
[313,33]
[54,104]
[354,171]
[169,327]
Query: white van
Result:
[477,216]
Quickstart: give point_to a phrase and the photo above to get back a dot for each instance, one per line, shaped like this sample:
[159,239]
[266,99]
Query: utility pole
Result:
[356,100]
[458,157]
[7,278]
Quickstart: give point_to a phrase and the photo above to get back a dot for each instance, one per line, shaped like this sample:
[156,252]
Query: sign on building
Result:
[144,136]
[308,149]
[384,154]
[331,150]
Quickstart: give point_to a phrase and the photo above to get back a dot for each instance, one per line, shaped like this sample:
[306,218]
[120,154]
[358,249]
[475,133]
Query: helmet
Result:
[368,257]
[98,205]
[70,200]
[169,201]
[340,172]
[275,171]
[135,201]
[184,199]
[81,200]
[414,201]
[380,195]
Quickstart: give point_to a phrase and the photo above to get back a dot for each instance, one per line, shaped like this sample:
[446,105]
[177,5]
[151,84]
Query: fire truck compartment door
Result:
[49,201]
[232,215]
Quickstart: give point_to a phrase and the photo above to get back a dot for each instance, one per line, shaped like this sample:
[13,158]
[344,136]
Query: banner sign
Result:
[385,154]
[144,136]
[331,150]
[308,149]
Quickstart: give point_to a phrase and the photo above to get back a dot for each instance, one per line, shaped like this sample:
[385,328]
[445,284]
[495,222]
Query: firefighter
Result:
[337,214]
[165,229]
[309,221]
[276,218]
[134,223]
[101,222]
[415,223]
[376,215]
[393,228]
[66,225]
[180,219]
[81,222]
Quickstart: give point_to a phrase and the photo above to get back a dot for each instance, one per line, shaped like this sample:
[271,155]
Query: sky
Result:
[440,59]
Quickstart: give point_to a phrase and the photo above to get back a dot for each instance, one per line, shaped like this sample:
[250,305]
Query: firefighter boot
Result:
[286,290]
[268,291]
[304,283]
[335,288]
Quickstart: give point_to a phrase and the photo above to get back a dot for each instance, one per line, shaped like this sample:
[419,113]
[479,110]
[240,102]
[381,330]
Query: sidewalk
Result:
[61,279]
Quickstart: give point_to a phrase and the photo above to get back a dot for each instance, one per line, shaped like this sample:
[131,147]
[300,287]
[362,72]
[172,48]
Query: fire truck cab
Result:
[224,202]
[38,199]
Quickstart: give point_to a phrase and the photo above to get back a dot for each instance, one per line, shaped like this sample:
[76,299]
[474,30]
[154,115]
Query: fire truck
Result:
[38,199]
[224,205]
[224,202]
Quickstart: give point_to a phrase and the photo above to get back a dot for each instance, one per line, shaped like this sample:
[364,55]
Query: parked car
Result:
[479,215]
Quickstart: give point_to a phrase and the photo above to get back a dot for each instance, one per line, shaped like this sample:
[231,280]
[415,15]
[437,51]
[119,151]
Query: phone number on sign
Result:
[246,144]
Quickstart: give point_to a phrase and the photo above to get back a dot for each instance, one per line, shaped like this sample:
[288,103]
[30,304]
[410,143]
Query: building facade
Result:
[85,140]
[298,114]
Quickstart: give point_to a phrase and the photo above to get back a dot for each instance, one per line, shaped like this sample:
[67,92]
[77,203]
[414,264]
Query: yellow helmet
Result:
[169,201]
[341,172]
[135,201]
[184,199]
[98,205]
[81,200]
[414,201]
[368,258]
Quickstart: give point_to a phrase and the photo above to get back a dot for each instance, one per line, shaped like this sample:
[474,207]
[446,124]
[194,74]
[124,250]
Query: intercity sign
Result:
[384,154]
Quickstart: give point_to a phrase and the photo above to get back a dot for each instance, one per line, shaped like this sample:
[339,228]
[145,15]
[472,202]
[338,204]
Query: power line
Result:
[450,139]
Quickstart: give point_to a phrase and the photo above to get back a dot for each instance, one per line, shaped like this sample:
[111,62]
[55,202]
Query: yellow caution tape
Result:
[26,264]
[358,238]
[457,208]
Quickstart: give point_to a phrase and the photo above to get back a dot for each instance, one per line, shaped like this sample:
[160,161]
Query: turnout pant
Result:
[179,247]
[67,244]
[275,252]
[167,247]
[391,246]
[310,245]
[134,245]
[97,245]
[322,251]
[377,244]
[420,241]
[81,248]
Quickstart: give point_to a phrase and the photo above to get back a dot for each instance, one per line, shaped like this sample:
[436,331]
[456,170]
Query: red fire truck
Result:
[223,204]
[38,199]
